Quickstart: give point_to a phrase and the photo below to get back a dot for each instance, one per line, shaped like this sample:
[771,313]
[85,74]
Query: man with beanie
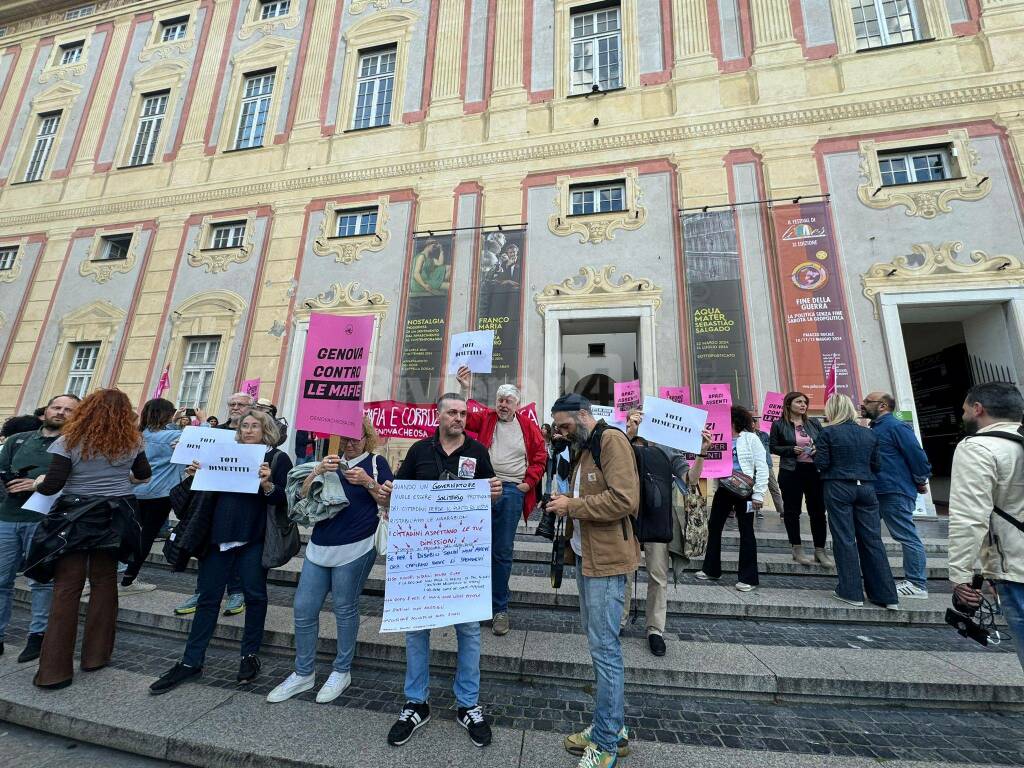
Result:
[604,494]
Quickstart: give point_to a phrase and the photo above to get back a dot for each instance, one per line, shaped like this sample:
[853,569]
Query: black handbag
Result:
[281,539]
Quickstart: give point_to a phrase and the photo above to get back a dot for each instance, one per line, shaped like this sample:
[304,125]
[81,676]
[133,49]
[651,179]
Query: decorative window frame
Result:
[98,321]
[348,249]
[355,7]
[12,274]
[100,270]
[215,260]
[54,70]
[563,46]
[213,313]
[924,199]
[597,227]
[252,23]
[933,20]
[155,47]
[271,53]
[163,76]
[381,29]
[57,98]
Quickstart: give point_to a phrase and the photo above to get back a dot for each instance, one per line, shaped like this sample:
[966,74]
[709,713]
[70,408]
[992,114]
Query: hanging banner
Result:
[715,394]
[426,313]
[675,394]
[333,374]
[498,308]
[714,292]
[817,329]
[627,397]
[413,421]
[771,411]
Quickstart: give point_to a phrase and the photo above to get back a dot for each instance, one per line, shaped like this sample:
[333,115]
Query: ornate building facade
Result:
[680,191]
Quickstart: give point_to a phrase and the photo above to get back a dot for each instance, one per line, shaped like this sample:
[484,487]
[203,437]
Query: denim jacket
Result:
[904,462]
[847,451]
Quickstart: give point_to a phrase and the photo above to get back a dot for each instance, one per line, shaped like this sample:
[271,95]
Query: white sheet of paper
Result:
[37,502]
[607,413]
[229,467]
[194,438]
[439,555]
[673,424]
[474,349]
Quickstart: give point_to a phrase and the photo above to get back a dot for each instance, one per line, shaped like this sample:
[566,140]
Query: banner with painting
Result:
[425,334]
[498,307]
[714,293]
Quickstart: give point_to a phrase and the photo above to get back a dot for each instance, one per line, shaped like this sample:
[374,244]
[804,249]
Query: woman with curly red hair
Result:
[95,462]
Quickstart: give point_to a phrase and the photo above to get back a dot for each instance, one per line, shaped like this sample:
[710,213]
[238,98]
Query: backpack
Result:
[653,523]
[1019,439]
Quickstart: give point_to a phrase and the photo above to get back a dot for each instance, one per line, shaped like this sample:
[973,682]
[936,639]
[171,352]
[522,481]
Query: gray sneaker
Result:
[500,624]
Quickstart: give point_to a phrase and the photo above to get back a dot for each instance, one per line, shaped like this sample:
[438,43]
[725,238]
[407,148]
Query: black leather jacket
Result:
[847,451]
[191,536]
[783,440]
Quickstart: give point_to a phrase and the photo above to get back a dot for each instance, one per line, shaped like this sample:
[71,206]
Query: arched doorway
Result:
[598,388]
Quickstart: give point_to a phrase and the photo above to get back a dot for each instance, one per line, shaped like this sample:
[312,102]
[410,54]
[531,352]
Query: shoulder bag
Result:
[281,539]
[380,536]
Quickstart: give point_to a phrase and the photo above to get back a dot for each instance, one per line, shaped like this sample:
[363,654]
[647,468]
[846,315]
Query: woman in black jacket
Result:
[793,439]
[237,526]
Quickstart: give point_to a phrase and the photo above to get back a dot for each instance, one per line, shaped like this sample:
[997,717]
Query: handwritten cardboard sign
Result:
[439,555]
[771,411]
[473,349]
[193,439]
[230,467]
[673,424]
[715,394]
[627,397]
[675,394]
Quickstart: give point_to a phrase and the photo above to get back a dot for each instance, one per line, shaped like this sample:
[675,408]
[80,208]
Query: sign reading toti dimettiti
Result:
[334,375]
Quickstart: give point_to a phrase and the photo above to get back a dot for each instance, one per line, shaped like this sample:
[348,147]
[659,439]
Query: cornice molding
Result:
[658,138]
[599,288]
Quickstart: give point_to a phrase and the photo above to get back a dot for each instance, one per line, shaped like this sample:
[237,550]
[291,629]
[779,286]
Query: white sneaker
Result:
[855,603]
[909,589]
[334,687]
[293,686]
[135,588]
[744,587]
[704,577]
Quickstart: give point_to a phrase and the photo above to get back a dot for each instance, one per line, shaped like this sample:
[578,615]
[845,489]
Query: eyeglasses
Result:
[869,402]
[352,440]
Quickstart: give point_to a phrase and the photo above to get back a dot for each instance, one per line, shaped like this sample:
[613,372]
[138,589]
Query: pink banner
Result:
[413,421]
[715,394]
[333,374]
[719,459]
[675,394]
[164,384]
[771,411]
[627,396]
[251,387]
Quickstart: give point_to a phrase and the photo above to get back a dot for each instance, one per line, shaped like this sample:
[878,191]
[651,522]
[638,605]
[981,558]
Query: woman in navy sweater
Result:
[237,529]
[338,559]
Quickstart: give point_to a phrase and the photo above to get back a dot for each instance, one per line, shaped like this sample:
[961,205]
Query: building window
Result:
[354,223]
[598,199]
[198,370]
[115,247]
[7,257]
[80,12]
[884,22]
[252,117]
[83,366]
[71,53]
[596,50]
[374,88]
[916,166]
[228,235]
[151,119]
[173,30]
[48,125]
[3,31]
[274,9]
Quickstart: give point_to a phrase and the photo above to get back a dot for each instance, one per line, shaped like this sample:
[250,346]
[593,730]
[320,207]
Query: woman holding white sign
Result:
[338,560]
[236,527]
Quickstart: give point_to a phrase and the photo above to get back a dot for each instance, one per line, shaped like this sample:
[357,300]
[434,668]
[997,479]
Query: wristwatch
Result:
[371,486]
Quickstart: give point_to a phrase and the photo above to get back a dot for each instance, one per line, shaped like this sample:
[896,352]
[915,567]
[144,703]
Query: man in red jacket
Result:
[518,456]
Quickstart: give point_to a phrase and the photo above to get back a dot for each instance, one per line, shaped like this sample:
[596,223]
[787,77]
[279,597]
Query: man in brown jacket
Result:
[601,501]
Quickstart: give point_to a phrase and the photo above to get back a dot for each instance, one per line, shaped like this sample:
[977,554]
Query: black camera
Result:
[961,616]
[546,526]
[558,553]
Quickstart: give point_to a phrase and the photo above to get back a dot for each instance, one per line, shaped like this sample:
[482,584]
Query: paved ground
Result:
[25,748]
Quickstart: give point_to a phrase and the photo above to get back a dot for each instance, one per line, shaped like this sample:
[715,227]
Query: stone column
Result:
[774,42]
[507,80]
[693,38]
[106,78]
[315,72]
[219,18]
[445,92]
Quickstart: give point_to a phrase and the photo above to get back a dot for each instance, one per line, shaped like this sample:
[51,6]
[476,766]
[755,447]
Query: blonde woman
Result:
[847,459]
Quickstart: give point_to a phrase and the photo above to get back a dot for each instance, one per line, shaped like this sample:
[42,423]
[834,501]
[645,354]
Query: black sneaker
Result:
[657,644]
[33,645]
[174,677]
[413,716]
[473,720]
[1,648]
[248,668]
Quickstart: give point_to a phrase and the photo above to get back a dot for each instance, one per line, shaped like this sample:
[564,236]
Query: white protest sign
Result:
[229,467]
[439,554]
[194,438]
[37,502]
[607,412]
[474,349]
[673,424]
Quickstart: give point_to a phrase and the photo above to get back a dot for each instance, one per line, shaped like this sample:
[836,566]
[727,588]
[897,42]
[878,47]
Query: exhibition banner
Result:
[499,307]
[426,316]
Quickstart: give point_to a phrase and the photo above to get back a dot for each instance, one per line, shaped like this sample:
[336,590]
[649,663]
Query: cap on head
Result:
[571,403]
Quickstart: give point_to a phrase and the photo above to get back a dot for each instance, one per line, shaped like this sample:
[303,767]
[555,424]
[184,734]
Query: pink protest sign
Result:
[333,374]
[715,394]
[719,459]
[771,411]
[627,396]
[675,394]
[405,420]
[251,387]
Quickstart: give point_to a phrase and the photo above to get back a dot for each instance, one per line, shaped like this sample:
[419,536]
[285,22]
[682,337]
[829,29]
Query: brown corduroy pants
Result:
[56,660]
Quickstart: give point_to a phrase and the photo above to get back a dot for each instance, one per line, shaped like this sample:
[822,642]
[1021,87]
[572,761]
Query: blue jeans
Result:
[601,603]
[15,539]
[897,511]
[857,543]
[505,514]
[1011,600]
[345,583]
[214,570]
[467,666]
